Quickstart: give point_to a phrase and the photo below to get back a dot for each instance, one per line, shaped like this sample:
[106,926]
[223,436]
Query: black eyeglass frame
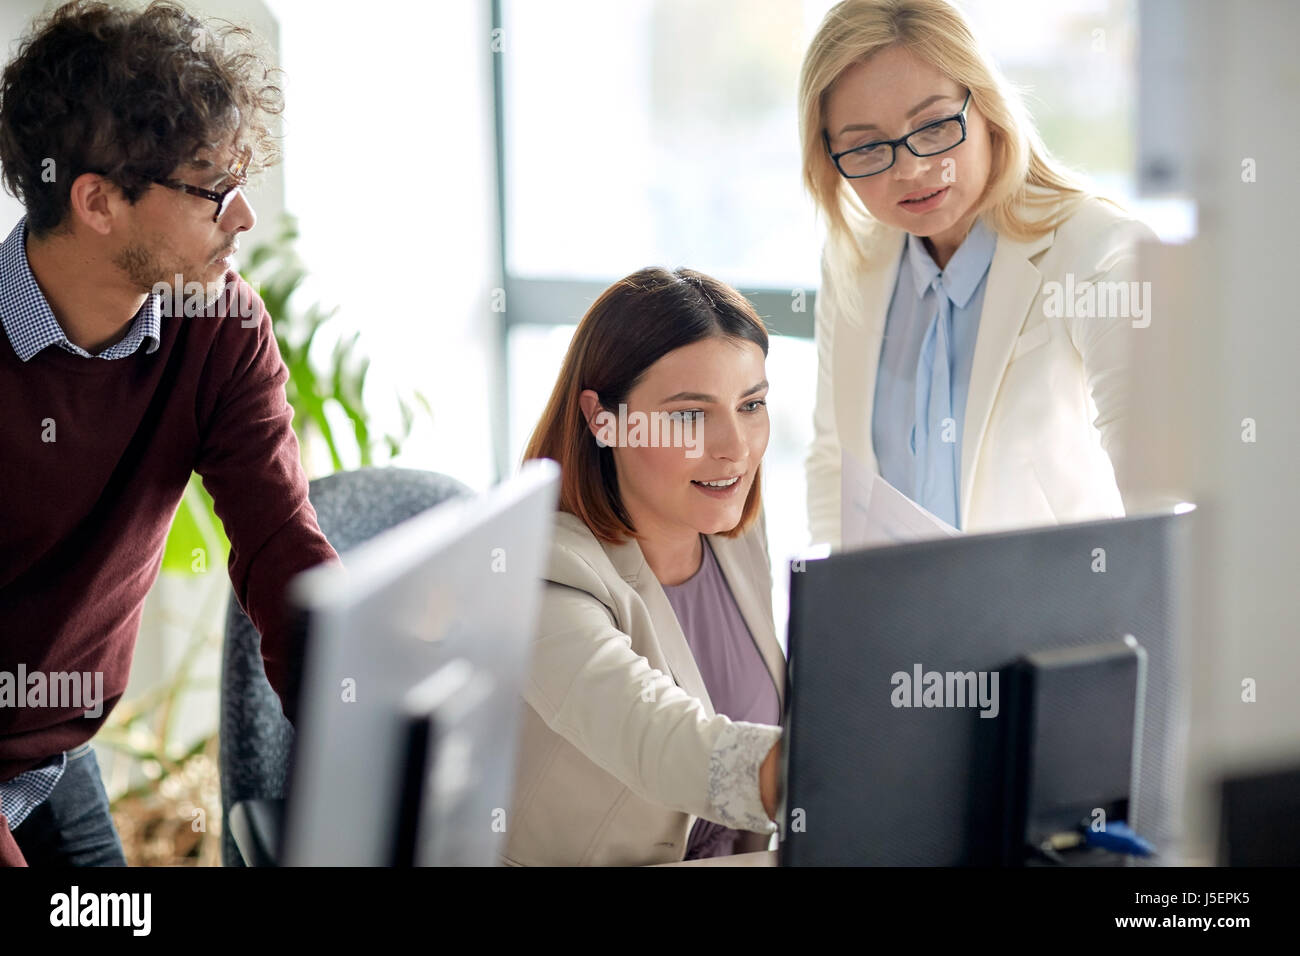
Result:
[901,141]
[224,198]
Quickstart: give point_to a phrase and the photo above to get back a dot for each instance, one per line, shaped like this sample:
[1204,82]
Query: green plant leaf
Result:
[195,527]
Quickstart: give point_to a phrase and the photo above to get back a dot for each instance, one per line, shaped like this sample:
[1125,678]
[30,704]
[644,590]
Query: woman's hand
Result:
[768,782]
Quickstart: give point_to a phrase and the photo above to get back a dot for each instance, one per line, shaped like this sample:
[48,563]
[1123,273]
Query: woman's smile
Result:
[719,487]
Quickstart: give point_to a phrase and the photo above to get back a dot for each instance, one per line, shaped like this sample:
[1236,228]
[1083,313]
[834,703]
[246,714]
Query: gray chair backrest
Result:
[256,738]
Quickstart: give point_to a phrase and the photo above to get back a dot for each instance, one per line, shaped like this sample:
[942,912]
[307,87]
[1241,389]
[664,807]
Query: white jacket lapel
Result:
[1012,286]
[857,345]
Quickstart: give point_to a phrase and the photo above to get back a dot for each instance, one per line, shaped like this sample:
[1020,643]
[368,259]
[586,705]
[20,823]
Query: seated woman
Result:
[656,687]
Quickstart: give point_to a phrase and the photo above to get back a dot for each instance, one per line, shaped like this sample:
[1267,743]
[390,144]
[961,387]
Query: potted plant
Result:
[164,782]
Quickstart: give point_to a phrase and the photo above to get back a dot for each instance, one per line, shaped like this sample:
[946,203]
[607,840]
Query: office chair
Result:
[256,738]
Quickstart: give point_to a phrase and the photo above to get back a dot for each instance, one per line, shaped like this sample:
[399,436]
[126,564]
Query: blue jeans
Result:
[73,827]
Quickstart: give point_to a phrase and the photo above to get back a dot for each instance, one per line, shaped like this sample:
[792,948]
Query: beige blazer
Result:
[1041,441]
[618,729]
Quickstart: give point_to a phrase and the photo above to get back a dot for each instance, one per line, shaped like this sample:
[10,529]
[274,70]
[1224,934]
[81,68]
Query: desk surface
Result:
[761,858]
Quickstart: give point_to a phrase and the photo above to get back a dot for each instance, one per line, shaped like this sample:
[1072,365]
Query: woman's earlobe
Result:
[602,426]
[598,420]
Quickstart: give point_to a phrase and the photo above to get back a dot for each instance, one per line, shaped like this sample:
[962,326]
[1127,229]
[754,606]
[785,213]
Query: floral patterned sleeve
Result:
[733,775]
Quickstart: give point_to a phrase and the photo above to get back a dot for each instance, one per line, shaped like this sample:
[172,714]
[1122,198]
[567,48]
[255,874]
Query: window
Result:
[665,132]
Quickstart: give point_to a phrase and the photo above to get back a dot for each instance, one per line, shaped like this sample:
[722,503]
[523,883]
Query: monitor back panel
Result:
[457,586]
[869,782]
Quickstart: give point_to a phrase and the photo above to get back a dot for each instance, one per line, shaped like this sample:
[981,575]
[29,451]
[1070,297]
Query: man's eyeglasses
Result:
[930,140]
[225,197]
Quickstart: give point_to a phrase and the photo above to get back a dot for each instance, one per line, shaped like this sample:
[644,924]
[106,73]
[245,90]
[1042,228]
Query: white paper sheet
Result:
[874,513]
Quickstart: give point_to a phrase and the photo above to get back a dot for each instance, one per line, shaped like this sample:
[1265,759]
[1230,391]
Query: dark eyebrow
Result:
[207,171]
[915,109]
[700,397]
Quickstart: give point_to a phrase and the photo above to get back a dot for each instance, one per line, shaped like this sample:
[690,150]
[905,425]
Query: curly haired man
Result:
[128,136]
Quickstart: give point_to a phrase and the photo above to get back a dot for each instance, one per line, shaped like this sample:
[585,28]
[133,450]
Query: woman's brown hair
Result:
[634,323]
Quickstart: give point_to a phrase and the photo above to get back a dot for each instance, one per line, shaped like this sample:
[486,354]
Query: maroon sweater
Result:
[83,518]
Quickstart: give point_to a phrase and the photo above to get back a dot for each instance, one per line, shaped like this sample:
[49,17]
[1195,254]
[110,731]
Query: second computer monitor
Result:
[882,770]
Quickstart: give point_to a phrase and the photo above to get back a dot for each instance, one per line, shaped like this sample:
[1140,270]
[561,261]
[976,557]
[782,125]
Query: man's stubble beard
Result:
[141,267]
[146,271]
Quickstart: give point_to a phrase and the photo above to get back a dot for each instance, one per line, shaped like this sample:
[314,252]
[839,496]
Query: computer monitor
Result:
[417,650]
[872,779]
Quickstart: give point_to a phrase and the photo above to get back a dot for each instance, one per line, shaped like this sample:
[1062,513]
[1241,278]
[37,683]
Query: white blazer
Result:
[619,744]
[1041,440]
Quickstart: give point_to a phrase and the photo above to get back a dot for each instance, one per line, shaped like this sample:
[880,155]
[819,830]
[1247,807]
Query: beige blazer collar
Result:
[745,585]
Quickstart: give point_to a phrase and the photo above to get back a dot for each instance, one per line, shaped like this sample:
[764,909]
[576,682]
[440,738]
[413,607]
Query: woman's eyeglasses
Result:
[930,140]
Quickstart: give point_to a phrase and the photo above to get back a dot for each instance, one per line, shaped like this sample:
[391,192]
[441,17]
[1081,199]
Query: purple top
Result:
[735,675]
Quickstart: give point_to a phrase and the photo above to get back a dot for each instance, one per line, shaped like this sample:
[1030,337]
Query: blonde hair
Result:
[1028,193]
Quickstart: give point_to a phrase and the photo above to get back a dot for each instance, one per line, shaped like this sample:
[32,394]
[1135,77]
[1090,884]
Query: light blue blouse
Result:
[920,454]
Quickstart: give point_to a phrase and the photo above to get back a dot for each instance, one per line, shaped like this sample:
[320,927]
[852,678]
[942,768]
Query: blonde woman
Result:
[977,301]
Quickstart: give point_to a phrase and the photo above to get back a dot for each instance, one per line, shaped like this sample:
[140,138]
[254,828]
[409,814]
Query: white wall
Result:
[390,169]
[1219,83]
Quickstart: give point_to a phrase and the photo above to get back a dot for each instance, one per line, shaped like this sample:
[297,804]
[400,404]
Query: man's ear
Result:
[96,203]
[599,422]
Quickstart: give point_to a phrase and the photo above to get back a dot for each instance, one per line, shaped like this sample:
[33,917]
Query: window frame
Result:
[532,300]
